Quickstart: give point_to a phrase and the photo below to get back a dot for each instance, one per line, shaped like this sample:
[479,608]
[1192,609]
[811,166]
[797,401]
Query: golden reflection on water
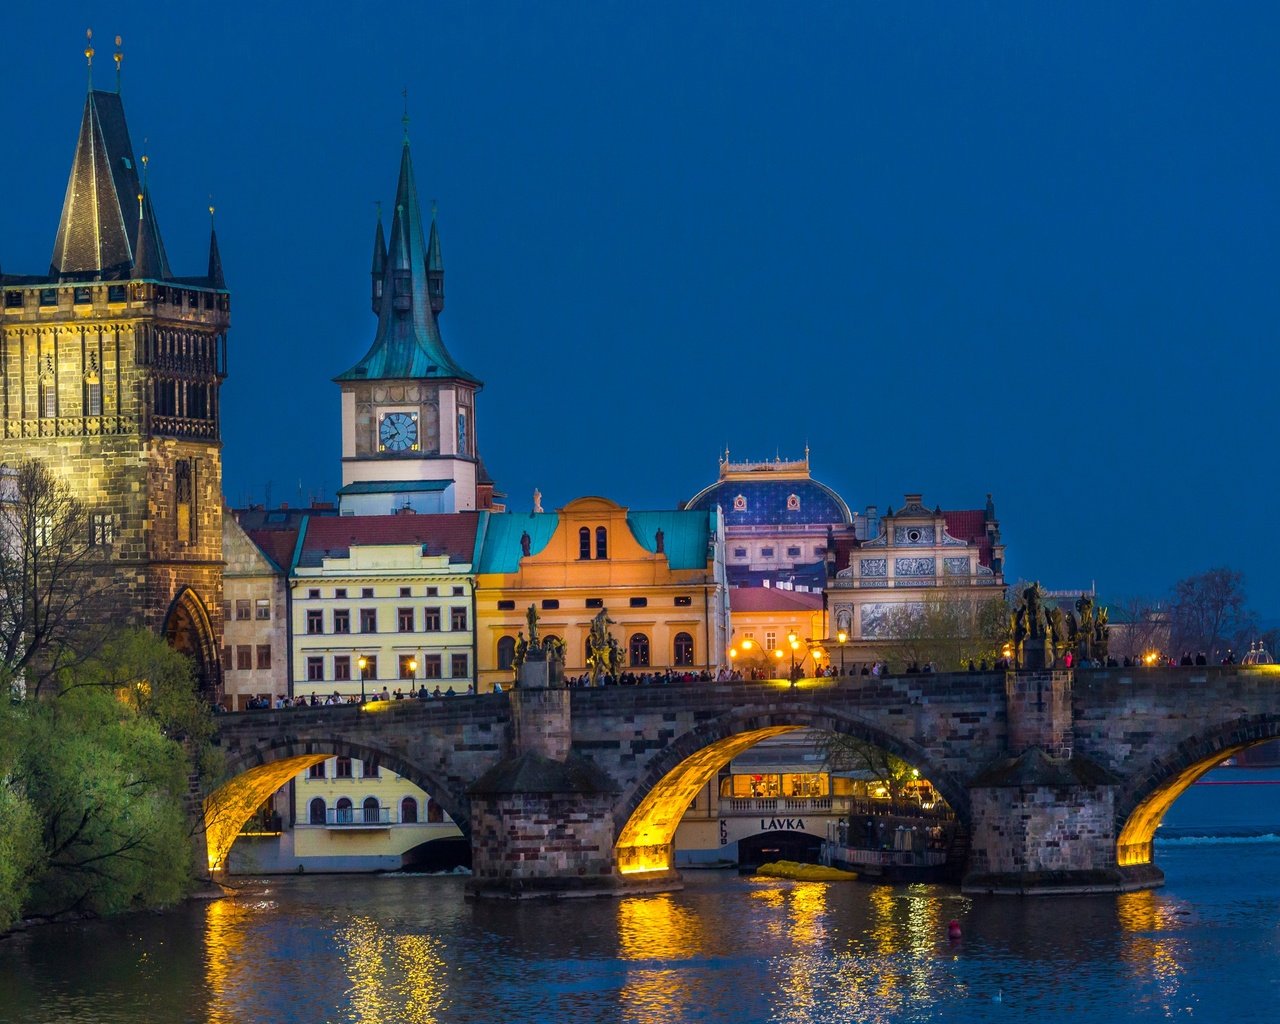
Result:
[657,928]
[1154,958]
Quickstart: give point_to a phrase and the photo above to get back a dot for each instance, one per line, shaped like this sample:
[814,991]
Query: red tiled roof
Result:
[454,533]
[772,599]
[970,524]
[277,545]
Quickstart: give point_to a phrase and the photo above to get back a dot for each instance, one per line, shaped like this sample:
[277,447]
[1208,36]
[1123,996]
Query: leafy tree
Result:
[1209,613]
[947,631]
[846,753]
[20,853]
[51,577]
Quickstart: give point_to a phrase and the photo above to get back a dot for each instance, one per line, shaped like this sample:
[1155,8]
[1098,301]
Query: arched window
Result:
[683,650]
[408,811]
[639,648]
[315,811]
[342,811]
[371,810]
[435,813]
[584,543]
[506,652]
[602,542]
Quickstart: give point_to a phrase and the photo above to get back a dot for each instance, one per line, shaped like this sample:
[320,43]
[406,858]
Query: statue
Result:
[659,539]
[615,657]
[524,543]
[1101,637]
[1055,623]
[531,617]
[598,654]
[1035,612]
[522,649]
[537,500]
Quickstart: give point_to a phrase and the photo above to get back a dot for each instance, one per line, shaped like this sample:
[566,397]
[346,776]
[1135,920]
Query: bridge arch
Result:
[649,811]
[254,774]
[1152,788]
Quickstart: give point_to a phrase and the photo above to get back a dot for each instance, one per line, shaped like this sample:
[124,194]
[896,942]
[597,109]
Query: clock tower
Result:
[408,409]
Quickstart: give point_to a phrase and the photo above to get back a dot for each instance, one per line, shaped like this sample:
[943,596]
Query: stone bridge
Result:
[1059,779]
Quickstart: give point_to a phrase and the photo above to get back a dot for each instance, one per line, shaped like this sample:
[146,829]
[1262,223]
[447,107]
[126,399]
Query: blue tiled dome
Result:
[769,502]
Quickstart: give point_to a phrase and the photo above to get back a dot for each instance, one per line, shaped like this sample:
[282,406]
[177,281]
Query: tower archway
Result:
[189,631]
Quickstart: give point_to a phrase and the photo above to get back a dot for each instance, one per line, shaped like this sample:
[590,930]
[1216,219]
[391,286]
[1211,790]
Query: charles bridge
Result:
[1057,779]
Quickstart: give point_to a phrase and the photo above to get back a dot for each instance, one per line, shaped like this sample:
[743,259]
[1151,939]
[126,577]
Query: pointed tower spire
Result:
[216,280]
[146,263]
[435,266]
[379,264]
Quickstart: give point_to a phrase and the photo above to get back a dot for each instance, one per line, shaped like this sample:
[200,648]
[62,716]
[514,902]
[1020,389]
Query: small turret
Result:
[435,267]
[379,264]
[216,278]
[146,262]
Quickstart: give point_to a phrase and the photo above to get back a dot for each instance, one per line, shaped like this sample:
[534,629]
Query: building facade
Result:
[110,372]
[658,575]
[255,642]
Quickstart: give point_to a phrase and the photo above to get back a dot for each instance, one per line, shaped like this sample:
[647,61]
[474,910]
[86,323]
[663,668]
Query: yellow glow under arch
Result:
[1134,844]
[229,806]
[644,844]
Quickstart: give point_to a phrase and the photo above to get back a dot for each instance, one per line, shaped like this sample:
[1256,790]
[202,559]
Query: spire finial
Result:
[211,209]
[119,59]
[139,206]
[145,160]
[405,119]
[88,54]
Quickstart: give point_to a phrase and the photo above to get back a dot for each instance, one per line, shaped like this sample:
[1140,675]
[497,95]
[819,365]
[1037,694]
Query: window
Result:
[48,296]
[602,542]
[457,591]
[404,619]
[683,601]
[184,492]
[82,296]
[639,602]
[431,666]
[793,552]
[595,602]
[342,768]
[48,401]
[406,591]
[683,650]
[342,620]
[739,552]
[242,610]
[102,529]
[408,665]
[93,398]
[115,293]
[341,593]
[315,669]
[435,813]
[770,640]
[766,552]
[584,543]
[408,811]
[506,606]
[432,620]
[506,652]
[370,666]
[366,592]
[316,771]
[226,658]
[457,618]
[316,809]
[313,595]
[244,657]
[342,667]
[372,812]
[342,811]
[820,549]
[639,650]
[264,655]
[433,591]
[262,609]
[315,620]
[370,770]
[13,300]
[368,620]
[458,666]
[550,604]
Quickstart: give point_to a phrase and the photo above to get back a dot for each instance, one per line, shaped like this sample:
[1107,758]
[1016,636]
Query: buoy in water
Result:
[953,930]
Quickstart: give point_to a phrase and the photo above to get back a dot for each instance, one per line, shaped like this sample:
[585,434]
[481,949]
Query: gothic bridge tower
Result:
[408,409]
[110,368]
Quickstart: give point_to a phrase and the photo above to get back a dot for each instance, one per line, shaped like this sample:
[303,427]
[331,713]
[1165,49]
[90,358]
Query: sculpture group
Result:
[1048,633]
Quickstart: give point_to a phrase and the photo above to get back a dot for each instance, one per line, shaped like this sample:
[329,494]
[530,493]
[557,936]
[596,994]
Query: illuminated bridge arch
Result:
[254,775]
[649,812]
[1151,789]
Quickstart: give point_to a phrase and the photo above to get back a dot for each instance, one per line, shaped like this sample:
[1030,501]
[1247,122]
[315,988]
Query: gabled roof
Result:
[500,548]
[970,525]
[773,599]
[407,344]
[685,535]
[451,533]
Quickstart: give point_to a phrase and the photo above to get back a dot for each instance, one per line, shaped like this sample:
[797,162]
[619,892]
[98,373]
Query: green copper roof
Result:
[407,344]
[394,486]
[500,550]
[685,535]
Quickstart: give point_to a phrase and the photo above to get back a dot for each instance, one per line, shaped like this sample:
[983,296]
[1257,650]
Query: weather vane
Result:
[88,53]
[405,119]
[119,59]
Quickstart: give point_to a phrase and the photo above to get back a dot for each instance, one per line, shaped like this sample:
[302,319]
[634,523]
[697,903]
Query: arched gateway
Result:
[189,631]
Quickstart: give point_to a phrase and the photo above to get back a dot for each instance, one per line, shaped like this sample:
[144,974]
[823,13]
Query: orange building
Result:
[659,575]
[763,619]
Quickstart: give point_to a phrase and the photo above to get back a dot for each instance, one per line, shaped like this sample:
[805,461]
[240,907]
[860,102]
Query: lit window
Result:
[639,650]
[102,529]
[683,650]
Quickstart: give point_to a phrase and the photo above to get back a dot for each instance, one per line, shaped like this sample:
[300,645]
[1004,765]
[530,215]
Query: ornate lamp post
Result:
[362,663]
[842,638]
[794,641]
[413,673]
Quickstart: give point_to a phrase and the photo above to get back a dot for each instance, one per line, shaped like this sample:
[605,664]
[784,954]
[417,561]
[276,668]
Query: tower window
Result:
[48,400]
[584,543]
[602,542]
[13,300]
[102,529]
[184,494]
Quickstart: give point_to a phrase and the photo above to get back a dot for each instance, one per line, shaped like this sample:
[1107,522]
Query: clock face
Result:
[398,432]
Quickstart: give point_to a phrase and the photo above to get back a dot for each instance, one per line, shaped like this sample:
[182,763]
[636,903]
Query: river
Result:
[388,949]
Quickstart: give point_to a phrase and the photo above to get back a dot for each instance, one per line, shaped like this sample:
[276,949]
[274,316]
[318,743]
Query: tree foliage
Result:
[1209,613]
[845,753]
[947,632]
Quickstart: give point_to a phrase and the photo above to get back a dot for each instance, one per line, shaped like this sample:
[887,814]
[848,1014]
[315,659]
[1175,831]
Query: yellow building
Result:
[659,575]
[764,618]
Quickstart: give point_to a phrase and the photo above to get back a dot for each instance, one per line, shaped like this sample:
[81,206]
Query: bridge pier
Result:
[1043,821]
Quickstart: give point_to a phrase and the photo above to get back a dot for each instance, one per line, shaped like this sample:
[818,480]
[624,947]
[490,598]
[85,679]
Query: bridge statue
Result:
[600,660]
[531,617]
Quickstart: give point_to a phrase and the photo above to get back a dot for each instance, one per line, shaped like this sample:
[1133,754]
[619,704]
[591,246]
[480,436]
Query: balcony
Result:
[355,819]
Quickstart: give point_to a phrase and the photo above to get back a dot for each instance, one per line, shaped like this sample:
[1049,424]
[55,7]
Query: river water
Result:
[387,949]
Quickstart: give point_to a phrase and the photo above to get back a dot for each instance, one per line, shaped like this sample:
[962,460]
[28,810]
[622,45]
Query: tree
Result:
[947,631]
[846,753]
[19,823]
[50,577]
[1208,613]
[1138,625]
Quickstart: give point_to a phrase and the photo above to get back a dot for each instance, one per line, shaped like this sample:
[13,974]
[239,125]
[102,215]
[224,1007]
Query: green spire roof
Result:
[407,344]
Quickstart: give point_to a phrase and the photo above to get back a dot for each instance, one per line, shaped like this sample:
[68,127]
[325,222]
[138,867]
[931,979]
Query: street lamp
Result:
[843,638]
[413,674]
[362,663]
[794,641]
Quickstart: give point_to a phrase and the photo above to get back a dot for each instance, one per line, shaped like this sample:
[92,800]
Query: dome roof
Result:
[798,501]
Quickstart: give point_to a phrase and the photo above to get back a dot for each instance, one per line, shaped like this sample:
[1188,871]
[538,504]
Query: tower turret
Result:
[435,267]
[379,265]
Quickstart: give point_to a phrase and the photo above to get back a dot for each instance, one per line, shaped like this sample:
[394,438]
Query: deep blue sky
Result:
[955,248]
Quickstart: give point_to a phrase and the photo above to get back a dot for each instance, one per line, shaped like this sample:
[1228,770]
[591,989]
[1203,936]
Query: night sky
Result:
[954,248]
